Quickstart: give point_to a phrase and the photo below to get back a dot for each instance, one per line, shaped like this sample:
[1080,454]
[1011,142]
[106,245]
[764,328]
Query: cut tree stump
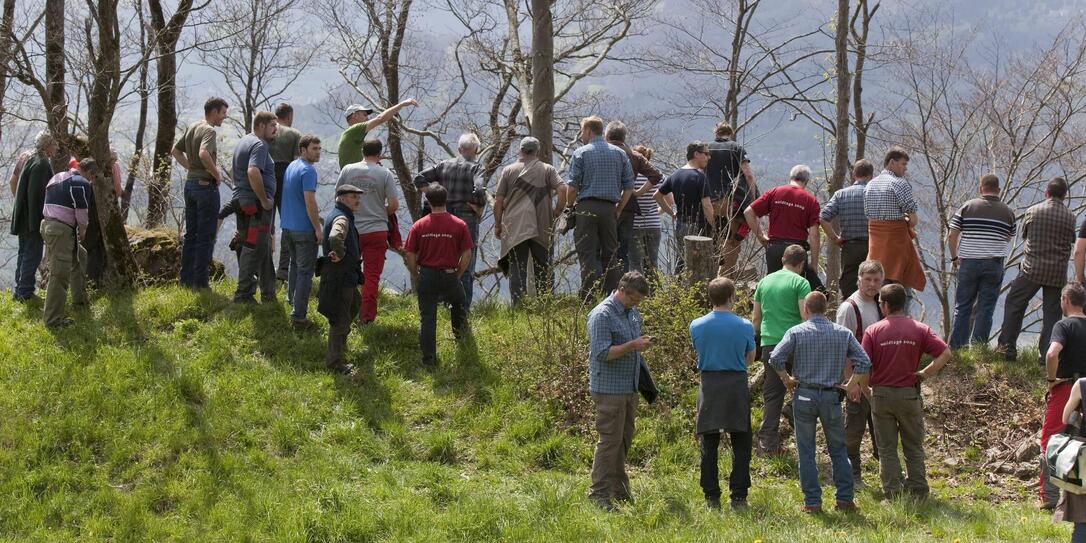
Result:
[699,254]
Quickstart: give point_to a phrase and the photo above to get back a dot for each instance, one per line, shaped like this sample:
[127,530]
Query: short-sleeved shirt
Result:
[895,345]
[350,144]
[252,151]
[722,340]
[1071,333]
[848,204]
[300,178]
[888,197]
[869,314]
[1048,229]
[779,294]
[791,209]
[724,170]
[198,135]
[285,145]
[987,228]
[378,186]
[688,187]
[438,239]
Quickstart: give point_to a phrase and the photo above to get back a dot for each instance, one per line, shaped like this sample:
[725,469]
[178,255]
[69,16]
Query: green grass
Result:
[166,415]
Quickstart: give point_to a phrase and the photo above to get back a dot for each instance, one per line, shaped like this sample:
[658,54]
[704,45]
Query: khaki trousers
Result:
[67,263]
[615,423]
[900,411]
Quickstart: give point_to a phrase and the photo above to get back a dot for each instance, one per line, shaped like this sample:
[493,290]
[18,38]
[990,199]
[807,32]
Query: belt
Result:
[594,199]
[59,222]
[819,387]
[444,270]
[856,240]
[995,258]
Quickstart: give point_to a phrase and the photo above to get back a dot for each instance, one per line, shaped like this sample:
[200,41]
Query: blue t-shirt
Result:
[722,340]
[688,187]
[300,177]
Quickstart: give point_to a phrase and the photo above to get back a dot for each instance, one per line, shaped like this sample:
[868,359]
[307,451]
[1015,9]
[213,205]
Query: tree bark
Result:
[5,56]
[542,126]
[841,126]
[141,128]
[864,14]
[168,33]
[700,259]
[55,98]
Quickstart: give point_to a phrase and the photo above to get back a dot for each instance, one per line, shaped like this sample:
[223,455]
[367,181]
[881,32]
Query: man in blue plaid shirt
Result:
[614,364]
[818,349]
[847,205]
[601,182]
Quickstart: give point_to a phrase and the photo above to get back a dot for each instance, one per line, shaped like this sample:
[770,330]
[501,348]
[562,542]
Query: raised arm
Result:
[388,114]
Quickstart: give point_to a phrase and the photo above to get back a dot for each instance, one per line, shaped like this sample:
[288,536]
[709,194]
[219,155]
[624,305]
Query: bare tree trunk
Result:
[141,128]
[864,13]
[6,49]
[120,268]
[841,125]
[542,127]
[56,113]
[168,32]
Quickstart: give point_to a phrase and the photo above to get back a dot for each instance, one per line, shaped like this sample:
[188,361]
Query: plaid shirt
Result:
[600,170]
[888,198]
[818,349]
[610,324]
[1048,229]
[848,204]
[463,179]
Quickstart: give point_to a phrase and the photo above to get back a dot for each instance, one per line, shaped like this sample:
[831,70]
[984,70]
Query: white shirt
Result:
[869,312]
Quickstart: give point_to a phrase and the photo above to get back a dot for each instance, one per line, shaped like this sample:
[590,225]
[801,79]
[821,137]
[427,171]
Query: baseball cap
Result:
[354,108]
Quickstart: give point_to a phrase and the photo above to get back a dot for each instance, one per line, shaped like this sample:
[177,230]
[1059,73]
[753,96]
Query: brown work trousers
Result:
[615,424]
[899,411]
[856,414]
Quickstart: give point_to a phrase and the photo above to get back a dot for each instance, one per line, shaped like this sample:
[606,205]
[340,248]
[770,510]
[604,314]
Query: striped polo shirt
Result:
[987,228]
[648,217]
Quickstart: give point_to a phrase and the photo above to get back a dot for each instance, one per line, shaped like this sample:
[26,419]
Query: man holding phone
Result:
[614,364]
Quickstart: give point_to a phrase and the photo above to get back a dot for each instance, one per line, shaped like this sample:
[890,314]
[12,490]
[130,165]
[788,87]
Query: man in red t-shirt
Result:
[895,345]
[437,252]
[793,220]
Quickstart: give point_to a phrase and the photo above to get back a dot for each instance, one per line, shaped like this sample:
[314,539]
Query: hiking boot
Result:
[713,503]
[302,325]
[811,509]
[1010,354]
[62,323]
[847,506]
[739,504]
[248,300]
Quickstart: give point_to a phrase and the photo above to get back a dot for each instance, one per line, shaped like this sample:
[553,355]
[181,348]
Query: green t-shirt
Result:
[350,144]
[780,293]
[284,148]
[197,136]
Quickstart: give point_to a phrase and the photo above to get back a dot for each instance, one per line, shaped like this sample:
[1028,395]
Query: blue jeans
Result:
[201,215]
[808,406]
[301,247]
[979,280]
[31,247]
[468,279]
[1079,535]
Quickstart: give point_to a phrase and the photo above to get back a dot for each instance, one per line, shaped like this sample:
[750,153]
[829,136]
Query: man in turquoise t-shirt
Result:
[778,303]
[358,124]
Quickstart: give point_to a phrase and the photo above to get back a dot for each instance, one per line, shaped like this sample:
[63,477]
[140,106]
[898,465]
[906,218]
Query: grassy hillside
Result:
[170,416]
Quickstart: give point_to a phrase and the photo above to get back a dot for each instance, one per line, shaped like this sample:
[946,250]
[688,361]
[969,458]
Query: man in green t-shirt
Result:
[197,152]
[358,124]
[778,303]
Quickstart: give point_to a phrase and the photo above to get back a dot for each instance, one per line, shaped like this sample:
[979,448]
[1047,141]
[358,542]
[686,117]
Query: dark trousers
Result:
[539,257]
[31,248]
[853,253]
[438,286]
[596,238]
[283,269]
[774,252]
[856,417]
[339,325]
[254,259]
[739,479]
[201,215]
[979,280]
[468,279]
[1014,310]
[773,405]
[625,237]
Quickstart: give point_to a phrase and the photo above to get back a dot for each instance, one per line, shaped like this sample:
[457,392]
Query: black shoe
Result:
[605,504]
[713,503]
[429,363]
[739,505]
[342,369]
[62,323]
[245,301]
[26,299]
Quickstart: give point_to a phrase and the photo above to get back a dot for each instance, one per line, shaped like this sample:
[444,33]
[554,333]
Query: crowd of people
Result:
[613,199]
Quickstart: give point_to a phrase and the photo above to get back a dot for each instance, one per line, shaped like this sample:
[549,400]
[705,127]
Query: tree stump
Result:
[699,254]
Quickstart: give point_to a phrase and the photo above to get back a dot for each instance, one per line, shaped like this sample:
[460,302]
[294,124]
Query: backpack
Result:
[1065,456]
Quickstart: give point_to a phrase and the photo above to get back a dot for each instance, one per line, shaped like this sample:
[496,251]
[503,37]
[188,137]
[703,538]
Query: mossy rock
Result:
[157,253]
